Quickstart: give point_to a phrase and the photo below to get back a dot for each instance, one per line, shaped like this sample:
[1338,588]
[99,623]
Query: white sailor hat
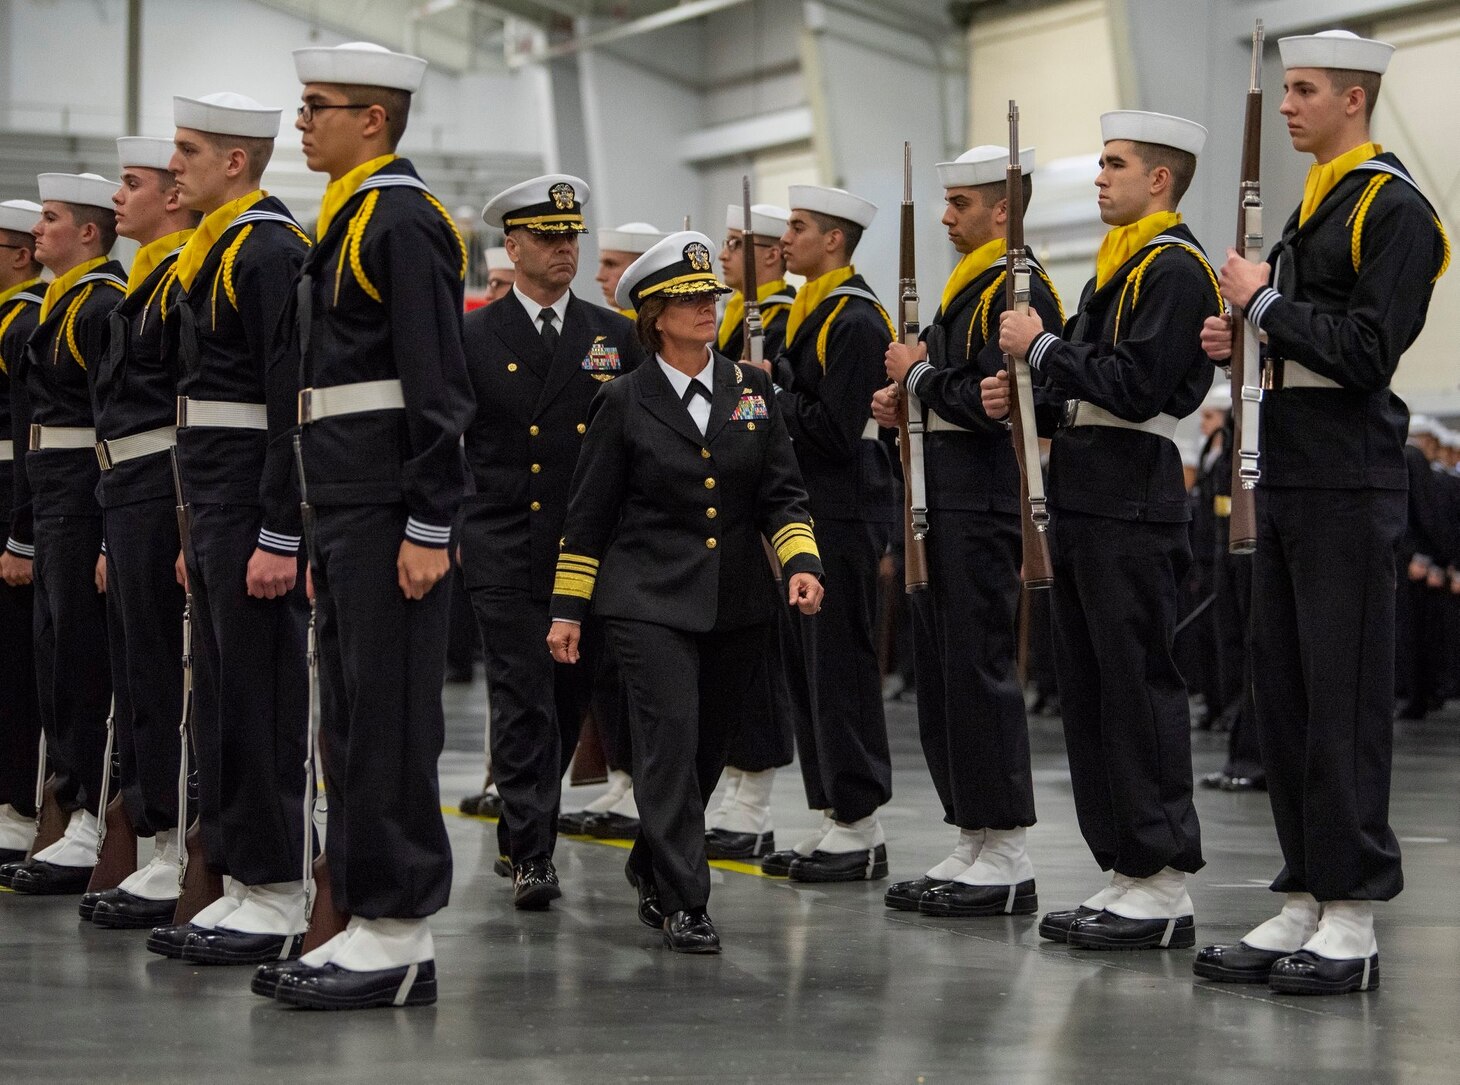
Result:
[149,152]
[676,266]
[359,63]
[1336,49]
[498,260]
[19,215]
[1219,398]
[983,165]
[634,237]
[1421,425]
[1162,128]
[226,114]
[83,188]
[766,219]
[550,204]
[836,202]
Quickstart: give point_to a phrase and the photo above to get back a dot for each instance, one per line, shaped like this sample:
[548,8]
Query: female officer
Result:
[685,467]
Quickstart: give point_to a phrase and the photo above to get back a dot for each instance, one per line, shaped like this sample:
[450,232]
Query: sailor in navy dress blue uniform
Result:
[1129,368]
[1344,293]
[687,466]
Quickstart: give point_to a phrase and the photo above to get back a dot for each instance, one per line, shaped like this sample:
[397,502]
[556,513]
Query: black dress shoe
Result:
[1245,783]
[1106,930]
[41,879]
[904,896]
[331,987]
[957,900]
[168,940]
[1055,926]
[866,865]
[1236,964]
[7,870]
[89,901]
[534,884]
[610,826]
[221,946]
[1215,781]
[691,931]
[723,844]
[502,866]
[571,823]
[266,977]
[483,804]
[778,863]
[1306,973]
[11,855]
[649,912]
[120,910]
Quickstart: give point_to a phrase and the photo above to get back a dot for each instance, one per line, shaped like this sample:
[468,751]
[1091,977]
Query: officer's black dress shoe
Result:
[168,940]
[691,931]
[610,826]
[120,910]
[865,865]
[266,977]
[1106,930]
[534,884]
[1236,964]
[649,913]
[778,863]
[330,987]
[482,804]
[239,947]
[1306,973]
[89,902]
[904,896]
[724,844]
[42,879]
[571,823]
[502,866]
[958,900]
[1055,926]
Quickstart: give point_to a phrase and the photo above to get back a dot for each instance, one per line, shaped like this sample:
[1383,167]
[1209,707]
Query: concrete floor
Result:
[817,984]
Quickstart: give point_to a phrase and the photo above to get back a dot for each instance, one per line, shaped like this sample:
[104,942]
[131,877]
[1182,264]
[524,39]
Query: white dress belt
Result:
[72,437]
[7,451]
[316,404]
[221,414]
[121,449]
[1297,375]
[936,423]
[1078,412]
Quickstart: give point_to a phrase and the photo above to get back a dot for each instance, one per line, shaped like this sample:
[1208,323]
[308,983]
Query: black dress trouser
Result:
[144,610]
[20,718]
[1126,720]
[1323,677]
[766,736]
[685,692]
[73,674]
[970,705]
[382,660]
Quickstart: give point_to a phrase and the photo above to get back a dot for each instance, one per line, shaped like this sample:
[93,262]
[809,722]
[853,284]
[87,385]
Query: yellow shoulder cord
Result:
[981,312]
[5,322]
[1361,212]
[225,274]
[821,335]
[159,295]
[451,222]
[68,328]
[1133,281]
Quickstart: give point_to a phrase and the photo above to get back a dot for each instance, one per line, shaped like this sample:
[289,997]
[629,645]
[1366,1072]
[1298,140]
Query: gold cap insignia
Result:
[698,255]
[562,195]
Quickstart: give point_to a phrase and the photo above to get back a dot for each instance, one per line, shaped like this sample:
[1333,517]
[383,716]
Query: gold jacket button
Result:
[709,484]
[533,430]
[582,427]
[750,425]
[536,468]
[711,543]
[537,506]
[711,513]
[704,453]
[511,367]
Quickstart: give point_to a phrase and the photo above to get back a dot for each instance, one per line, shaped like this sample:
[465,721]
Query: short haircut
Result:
[103,218]
[21,241]
[991,194]
[166,181]
[1343,78]
[257,149]
[396,103]
[851,232]
[650,310]
[1182,164]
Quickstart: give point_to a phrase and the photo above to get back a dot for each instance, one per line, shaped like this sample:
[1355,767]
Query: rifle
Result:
[910,422]
[197,885]
[50,819]
[1246,361]
[116,840]
[754,347]
[1034,517]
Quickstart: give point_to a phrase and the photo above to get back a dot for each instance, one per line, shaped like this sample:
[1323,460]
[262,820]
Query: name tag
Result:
[602,358]
[749,408]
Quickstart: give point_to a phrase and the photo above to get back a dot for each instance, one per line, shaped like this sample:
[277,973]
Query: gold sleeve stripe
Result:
[582,561]
[789,529]
[803,543]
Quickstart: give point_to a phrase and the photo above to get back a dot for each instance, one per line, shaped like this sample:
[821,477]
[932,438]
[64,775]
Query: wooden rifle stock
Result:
[590,764]
[50,822]
[1037,571]
[1242,527]
[910,432]
[117,856]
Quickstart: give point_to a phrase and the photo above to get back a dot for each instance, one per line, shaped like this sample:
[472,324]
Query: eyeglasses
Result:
[732,244]
[307,111]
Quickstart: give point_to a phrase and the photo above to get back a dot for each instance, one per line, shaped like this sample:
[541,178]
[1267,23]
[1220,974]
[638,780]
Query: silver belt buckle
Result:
[35,437]
[1072,411]
[103,455]
[306,406]
[182,411]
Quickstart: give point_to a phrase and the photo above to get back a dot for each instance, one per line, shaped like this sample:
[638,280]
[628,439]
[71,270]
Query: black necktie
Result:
[696,388]
[549,332]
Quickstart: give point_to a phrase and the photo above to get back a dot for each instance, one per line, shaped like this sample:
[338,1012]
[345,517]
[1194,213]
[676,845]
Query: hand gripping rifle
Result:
[1034,516]
[754,337]
[1246,360]
[197,886]
[909,421]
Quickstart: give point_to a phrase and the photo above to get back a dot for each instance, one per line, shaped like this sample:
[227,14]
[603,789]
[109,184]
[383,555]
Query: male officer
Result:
[836,336]
[1343,295]
[76,229]
[136,407]
[536,359]
[384,398]
[970,703]
[235,412]
[617,249]
[1129,368]
[21,294]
